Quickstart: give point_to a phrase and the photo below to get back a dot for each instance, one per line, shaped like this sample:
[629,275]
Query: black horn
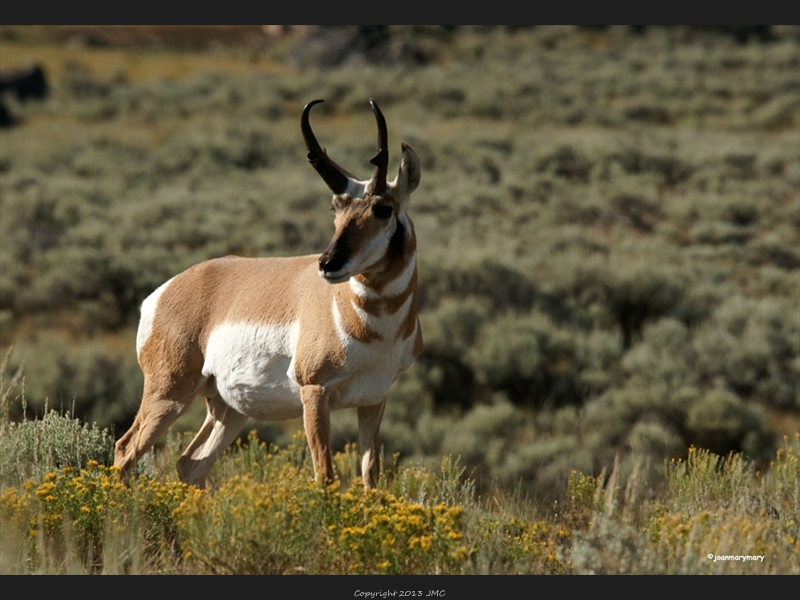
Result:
[377,185]
[331,173]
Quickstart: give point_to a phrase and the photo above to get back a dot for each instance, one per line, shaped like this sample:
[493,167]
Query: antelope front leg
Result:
[369,422]
[317,423]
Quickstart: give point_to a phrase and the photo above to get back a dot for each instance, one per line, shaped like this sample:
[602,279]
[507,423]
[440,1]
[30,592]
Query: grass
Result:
[263,514]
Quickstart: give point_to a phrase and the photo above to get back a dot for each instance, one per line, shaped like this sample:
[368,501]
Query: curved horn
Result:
[331,173]
[377,184]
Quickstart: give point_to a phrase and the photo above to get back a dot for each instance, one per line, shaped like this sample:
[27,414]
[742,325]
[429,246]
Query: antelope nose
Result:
[330,265]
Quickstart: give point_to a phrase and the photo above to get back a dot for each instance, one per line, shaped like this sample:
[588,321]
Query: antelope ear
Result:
[407,178]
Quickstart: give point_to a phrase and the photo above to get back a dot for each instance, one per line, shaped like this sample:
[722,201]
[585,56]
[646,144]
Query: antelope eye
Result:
[382,211]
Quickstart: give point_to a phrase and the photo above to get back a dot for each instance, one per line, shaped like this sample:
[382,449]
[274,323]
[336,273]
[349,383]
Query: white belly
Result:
[251,367]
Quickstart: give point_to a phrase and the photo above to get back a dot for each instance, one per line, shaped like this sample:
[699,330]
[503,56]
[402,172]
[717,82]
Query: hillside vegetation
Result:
[608,226]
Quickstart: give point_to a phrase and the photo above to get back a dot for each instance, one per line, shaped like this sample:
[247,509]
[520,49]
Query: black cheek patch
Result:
[398,241]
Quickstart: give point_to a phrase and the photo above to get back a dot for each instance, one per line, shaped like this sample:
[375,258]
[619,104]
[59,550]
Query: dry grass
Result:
[265,515]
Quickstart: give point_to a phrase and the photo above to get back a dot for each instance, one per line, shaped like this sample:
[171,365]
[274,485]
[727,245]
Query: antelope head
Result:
[370,216]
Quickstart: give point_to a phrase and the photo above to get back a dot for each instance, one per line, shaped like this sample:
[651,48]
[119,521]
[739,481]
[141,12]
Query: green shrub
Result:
[721,422]
[530,358]
[753,346]
[30,449]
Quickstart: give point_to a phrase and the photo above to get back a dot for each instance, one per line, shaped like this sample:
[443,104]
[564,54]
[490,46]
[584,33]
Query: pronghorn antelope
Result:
[277,338]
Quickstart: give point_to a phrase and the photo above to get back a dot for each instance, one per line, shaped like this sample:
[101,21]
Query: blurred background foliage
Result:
[608,222]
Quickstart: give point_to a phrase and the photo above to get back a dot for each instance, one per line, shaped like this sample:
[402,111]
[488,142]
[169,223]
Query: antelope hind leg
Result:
[158,411]
[220,428]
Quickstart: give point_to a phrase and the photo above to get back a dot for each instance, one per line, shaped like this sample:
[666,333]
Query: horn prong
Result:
[377,184]
[332,174]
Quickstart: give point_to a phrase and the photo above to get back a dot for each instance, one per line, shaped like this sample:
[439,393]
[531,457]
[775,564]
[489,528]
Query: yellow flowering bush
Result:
[249,527]
[79,501]
[511,545]
[371,531]
[718,515]
[695,544]
[75,511]
[264,514]
[293,524]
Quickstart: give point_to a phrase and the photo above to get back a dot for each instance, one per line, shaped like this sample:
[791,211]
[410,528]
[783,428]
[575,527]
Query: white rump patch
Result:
[148,314]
